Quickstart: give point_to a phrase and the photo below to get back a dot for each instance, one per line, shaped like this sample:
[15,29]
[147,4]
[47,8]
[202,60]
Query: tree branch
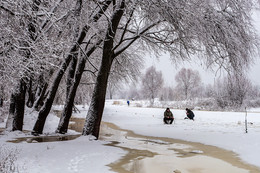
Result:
[138,35]
[125,28]
[7,10]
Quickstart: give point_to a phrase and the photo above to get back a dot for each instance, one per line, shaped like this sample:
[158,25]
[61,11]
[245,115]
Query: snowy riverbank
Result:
[222,129]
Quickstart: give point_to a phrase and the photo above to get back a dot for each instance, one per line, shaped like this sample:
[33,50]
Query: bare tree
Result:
[220,31]
[238,87]
[133,93]
[114,46]
[187,80]
[74,51]
[209,91]
[152,82]
[232,90]
[95,112]
[39,35]
[66,113]
[167,94]
[33,44]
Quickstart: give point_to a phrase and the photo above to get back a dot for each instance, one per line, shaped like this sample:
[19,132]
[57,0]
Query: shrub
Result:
[7,159]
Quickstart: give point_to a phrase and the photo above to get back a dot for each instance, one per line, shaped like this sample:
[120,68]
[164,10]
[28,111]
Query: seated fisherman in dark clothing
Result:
[190,114]
[168,117]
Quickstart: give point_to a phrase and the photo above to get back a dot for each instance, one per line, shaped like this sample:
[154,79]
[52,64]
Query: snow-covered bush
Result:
[7,159]
[3,112]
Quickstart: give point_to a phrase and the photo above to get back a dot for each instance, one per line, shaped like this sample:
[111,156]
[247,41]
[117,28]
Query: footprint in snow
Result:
[75,162]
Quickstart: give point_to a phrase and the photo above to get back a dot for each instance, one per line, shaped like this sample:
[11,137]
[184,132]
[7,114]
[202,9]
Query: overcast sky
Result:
[169,70]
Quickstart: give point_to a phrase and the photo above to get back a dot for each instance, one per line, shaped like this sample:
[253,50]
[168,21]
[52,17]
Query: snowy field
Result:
[222,129]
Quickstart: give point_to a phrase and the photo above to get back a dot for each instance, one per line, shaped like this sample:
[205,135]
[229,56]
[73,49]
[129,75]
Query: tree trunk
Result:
[186,92]
[95,112]
[40,100]
[70,75]
[74,61]
[1,102]
[43,113]
[110,95]
[1,96]
[67,111]
[12,104]
[45,110]
[31,95]
[10,118]
[38,127]
[19,106]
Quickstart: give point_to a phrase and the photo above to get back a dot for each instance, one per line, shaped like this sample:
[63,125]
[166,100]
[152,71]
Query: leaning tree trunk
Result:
[1,96]
[38,127]
[67,111]
[71,74]
[43,113]
[74,60]
[40,99]
[95,112]
[19,106]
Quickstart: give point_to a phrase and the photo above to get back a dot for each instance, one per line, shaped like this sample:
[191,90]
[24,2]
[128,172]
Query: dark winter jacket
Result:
[190,114]
[168,114]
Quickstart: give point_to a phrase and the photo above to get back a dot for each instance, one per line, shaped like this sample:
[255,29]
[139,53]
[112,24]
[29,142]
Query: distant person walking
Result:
[168,116]
[190,114]
[128,102]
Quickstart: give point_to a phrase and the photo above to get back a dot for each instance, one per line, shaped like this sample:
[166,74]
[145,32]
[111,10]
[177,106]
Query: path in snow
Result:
[157,154]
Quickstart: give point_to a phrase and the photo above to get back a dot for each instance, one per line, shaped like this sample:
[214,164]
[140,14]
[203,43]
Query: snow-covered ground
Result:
[79,155]
[222,129]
